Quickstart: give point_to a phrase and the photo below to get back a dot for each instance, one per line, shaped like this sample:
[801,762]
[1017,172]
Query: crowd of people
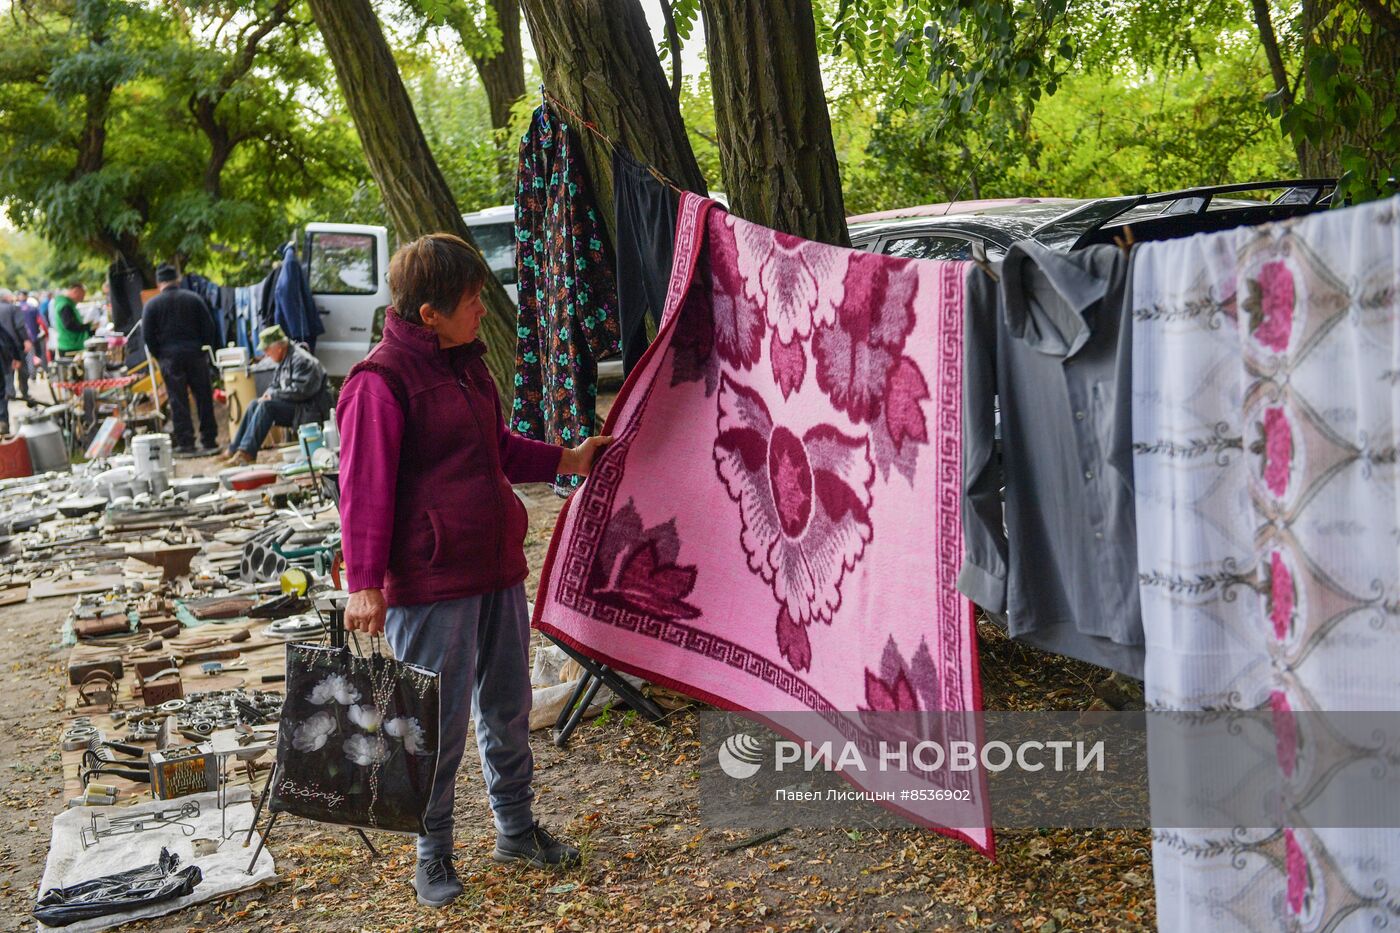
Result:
[179,332]
[34,329]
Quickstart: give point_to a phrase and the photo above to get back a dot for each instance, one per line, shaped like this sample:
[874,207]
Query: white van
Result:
[348,266]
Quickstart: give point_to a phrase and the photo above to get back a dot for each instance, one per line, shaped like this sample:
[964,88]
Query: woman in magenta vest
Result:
[433,538]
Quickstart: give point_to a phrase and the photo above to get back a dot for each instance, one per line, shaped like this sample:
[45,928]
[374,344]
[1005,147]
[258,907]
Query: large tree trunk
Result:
[598,58]
[415,194]
[771,119]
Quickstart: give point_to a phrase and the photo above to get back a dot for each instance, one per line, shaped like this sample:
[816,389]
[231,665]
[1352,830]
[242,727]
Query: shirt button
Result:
[1098,535]
[1088,474]
[1079,416]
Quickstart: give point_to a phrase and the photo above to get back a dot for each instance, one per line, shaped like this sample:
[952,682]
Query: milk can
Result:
[94,365]
[47,452]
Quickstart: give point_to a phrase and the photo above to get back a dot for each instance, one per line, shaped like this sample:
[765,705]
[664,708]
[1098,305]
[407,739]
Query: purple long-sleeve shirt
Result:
[371,424]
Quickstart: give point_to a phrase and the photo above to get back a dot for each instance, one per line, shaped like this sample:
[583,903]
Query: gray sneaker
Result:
[535,846]
[436,882]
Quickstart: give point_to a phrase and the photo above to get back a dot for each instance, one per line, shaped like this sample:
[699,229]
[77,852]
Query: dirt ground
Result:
[627,792]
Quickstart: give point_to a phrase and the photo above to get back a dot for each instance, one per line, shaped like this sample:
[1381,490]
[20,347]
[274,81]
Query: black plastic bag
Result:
[119,893]
[358,740]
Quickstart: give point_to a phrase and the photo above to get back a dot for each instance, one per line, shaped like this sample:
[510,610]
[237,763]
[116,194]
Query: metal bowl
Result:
[73,508]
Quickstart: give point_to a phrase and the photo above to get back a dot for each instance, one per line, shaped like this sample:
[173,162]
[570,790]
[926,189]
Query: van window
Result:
[343,264]
[497,242]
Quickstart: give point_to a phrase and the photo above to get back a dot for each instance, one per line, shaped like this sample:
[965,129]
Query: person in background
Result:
[299,395]
[178,328]
[12,320]
[67,323]
[37,329]
[433,537]
[10,353]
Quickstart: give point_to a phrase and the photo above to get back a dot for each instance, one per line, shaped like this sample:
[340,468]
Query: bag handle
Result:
[376,646]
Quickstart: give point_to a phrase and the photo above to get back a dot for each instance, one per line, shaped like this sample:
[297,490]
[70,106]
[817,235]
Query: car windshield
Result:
[497,242]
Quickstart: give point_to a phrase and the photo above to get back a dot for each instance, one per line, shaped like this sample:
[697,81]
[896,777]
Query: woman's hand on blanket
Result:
[579,460]
[365,612]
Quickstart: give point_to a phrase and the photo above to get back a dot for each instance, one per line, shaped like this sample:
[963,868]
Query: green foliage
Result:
[976,73]
[1095,137]
[697,106]
[456,119]
[1350,88]
[163,131]
[27,262]
[685,14]
[474,22]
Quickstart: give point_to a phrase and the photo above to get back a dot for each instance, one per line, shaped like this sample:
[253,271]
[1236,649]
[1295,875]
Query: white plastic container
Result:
[236,357]
[330,434]
[153,454]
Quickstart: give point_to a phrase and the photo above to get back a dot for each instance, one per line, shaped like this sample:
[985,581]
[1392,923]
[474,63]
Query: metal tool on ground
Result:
[173,560]
[104,827]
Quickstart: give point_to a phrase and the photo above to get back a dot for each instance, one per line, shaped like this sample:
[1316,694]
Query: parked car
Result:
[494,231]
[961,229]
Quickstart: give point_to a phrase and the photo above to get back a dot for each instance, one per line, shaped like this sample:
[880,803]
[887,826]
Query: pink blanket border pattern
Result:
[586,514]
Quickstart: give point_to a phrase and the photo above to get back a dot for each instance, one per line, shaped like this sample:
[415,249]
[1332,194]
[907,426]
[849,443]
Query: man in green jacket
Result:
[67,322]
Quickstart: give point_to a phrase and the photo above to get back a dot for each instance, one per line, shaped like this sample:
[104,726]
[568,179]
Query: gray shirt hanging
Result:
[1053,343]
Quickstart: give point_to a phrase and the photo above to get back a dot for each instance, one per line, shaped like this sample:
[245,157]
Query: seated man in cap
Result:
[178,327]
[299,394]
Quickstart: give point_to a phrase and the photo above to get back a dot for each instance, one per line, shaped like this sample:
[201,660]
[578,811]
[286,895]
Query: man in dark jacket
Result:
[11,354]
[12,320]
[299,395]
[178,327]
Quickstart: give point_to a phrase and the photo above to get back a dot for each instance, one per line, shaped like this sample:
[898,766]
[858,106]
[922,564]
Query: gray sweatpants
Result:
[480,648]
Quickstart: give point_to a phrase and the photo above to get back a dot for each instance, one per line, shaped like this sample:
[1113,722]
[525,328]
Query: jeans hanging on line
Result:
[645,212]
[480,647]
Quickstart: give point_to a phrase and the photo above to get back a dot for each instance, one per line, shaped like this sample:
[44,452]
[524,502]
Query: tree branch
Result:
[1271,50]
[673,46]
[248,51]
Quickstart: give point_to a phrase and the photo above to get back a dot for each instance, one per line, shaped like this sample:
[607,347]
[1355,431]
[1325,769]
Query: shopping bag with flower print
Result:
[358,740]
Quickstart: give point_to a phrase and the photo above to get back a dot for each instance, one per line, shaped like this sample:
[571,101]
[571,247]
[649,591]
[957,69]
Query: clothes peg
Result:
[979,259]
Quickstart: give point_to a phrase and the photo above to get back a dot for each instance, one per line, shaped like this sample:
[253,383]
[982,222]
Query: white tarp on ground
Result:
[69,863]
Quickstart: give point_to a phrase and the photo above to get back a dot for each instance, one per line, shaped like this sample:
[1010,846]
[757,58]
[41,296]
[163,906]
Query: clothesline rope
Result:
[611,144]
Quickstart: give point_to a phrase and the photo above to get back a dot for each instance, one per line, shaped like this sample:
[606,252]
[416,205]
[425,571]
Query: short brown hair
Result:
[435,270]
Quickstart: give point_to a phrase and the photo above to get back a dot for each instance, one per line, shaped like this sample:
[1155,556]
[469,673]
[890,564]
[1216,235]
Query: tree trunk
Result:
[415,194]
[503,77]
[1379,46]
[597,57]
[774,131]
[503,74]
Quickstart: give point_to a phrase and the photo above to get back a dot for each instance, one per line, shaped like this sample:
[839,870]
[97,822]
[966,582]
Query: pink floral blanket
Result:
[776,527]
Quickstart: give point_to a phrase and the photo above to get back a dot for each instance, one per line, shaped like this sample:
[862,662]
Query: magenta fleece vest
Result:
[459,529]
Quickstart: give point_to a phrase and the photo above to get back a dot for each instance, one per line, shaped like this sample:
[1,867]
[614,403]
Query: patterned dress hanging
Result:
[567,291]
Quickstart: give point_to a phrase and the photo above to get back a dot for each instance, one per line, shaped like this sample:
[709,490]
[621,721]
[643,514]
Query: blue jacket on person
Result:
[296,311]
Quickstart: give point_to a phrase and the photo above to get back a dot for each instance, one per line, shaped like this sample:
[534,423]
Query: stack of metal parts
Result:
[271,552]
